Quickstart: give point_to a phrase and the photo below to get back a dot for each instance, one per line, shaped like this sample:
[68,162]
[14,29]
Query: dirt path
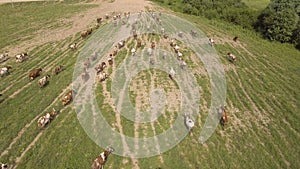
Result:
[80,22]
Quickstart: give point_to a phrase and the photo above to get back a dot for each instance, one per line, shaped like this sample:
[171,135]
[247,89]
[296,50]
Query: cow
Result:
[102,76]
[68,97]
[94,56]
[46,119]
[222,116]
[133,51]
[89,31]
[211,42]
[43,81]
[3,166]
[73,46]
[235,38]
[231,57]
[84,34]
[106,16]
[153,44]
[171,74]
[100,67]
[99,20]
[58,69]
[110,59]
[21,57]
[121,44]
[3,57]
[189,123]
[85,76]
[139,43]
[5,71]
[193,33]
[34,73]
[99,162]
[180,34]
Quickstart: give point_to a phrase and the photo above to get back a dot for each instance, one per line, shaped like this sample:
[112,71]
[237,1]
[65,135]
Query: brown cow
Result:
[84,34]
[235,38]
[99,162]
[99,20]
[100,67]
[67,98]
[34,73]
[44,80]
[58,69]
[89,31]
[153,44]
[222,115]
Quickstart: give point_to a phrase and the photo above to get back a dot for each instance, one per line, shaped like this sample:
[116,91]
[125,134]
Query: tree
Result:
[278,21]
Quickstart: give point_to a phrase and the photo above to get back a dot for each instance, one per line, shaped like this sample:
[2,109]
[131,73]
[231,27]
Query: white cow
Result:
[189,123]
[4,71]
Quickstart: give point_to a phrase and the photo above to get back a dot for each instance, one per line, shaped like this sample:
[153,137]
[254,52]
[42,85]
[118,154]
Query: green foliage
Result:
[279,20]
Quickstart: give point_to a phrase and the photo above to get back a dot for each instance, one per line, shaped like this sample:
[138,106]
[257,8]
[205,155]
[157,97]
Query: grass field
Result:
[262,101]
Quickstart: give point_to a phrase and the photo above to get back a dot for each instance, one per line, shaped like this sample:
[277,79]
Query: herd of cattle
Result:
[101,75]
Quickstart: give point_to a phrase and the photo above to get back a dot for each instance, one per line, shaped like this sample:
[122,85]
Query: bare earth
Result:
[80,21]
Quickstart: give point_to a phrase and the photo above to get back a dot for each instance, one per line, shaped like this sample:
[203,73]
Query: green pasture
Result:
[262,100]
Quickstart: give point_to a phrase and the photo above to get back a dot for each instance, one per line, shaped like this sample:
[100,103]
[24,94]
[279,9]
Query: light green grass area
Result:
[262,102]
[257,4]
[22,20]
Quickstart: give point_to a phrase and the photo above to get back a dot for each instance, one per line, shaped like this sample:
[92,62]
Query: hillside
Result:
[262,92]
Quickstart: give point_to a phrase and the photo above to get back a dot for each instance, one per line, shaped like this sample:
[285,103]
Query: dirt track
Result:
[79,21]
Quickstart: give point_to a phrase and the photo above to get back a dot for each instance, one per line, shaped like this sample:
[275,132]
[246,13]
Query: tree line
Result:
[279,21]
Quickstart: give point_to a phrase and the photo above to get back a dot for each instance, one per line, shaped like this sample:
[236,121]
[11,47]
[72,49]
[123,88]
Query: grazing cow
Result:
[85,76]
[5,71]
[133,51]
[84,34]
[162,30]
[3,166]
[58,69]
[121,44]
[165,36]
[44,80]
[176,48]
[73,46]
[149,51]
[21,57]
[94,56]
[139,43]
[222,116]
[110,60]
[182,64]
[44,120]
[115,51]
[102,76]
[189,123]
[231,57]
[99,162]
[106,16]
[87,63]
[34,73]
[180,34]
[99,20]
[68,97]
[3,57]
[164,55]
[171,73]
[135,35]
[153,44]
[193,33]
[235,38]
[172,43]
[100,67]
[89,31]
[211,42]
